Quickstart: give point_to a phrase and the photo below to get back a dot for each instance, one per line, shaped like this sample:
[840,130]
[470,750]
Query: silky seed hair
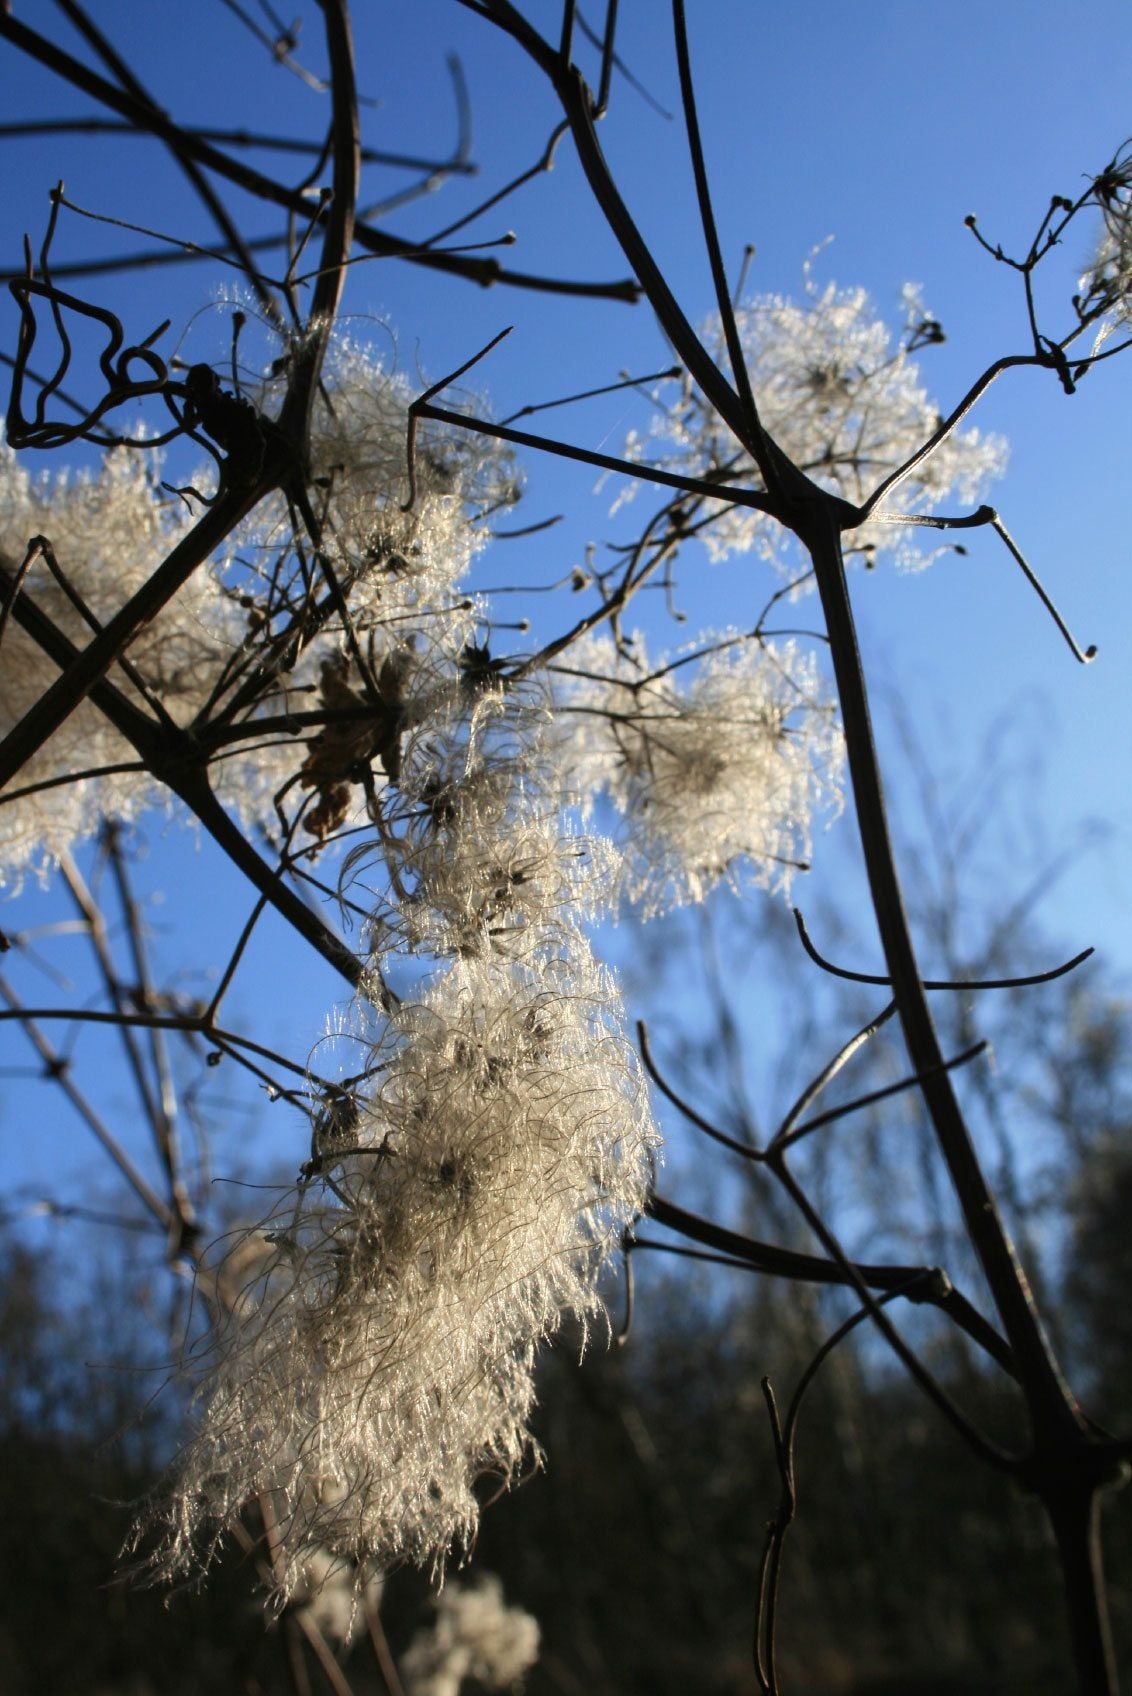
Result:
[718,769]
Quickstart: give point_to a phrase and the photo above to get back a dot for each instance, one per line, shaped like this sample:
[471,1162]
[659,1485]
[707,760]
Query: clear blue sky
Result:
[880,124]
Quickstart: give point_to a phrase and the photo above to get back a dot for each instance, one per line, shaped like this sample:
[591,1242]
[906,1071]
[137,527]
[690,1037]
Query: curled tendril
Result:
[227,427]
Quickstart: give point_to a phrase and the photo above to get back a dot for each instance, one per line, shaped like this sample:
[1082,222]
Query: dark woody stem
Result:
[1053,1408]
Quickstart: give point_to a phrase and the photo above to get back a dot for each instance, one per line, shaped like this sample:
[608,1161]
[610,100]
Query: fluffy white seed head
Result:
[397,564]
[454,1212]
[479,854]
[844,402]
[718,769]
[475,1635]
[333,1594]
[109,530]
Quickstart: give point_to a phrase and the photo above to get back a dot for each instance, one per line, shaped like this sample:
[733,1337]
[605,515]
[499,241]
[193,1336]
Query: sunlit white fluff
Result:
[466,1202]
[475,1635]
[845,400]
[110,529]
[718,768]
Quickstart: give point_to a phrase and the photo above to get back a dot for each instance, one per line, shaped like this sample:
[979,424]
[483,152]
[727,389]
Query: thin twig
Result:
[939,983]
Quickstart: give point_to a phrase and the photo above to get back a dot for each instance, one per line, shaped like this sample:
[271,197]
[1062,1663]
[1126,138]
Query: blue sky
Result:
[881,125]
